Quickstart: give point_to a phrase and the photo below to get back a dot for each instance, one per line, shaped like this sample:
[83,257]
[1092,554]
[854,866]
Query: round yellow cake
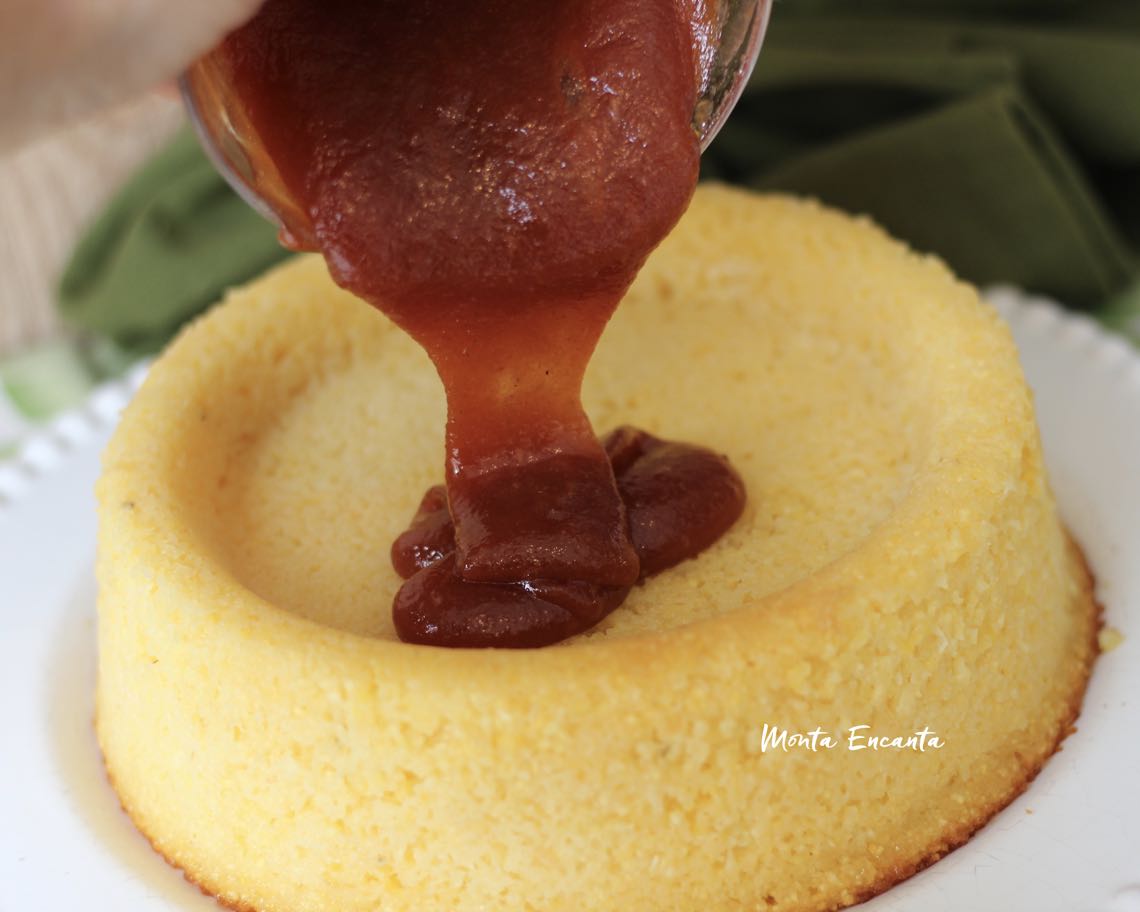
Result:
[900,568]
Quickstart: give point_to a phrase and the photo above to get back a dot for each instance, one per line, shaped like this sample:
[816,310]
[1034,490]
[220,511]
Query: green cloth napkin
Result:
[173,239]
[1005,140]
[1003,135]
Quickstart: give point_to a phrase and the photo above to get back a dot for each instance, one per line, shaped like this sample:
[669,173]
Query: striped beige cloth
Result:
[49,190]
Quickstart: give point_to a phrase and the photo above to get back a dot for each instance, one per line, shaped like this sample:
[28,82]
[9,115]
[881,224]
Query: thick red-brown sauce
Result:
[492,175]
[678,500]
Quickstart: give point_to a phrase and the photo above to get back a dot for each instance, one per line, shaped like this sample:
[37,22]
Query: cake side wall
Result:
[291,767]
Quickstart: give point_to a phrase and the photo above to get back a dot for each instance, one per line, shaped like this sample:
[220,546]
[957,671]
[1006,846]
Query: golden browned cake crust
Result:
[900,565]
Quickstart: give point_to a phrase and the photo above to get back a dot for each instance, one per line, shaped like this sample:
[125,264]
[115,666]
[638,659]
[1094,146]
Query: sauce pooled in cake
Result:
[491,176]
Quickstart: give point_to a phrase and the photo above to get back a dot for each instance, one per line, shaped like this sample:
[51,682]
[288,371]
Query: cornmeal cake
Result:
[900,566]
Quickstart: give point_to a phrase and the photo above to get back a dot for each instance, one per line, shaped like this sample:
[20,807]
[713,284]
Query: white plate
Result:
[1070,844]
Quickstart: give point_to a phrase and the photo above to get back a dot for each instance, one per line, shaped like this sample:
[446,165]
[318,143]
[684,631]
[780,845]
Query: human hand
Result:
[61,59]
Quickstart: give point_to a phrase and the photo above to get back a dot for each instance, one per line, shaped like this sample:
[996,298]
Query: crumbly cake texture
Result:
[900,565]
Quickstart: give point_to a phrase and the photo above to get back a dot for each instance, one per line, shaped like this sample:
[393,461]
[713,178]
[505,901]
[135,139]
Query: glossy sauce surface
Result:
[492,175]
[679,499]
